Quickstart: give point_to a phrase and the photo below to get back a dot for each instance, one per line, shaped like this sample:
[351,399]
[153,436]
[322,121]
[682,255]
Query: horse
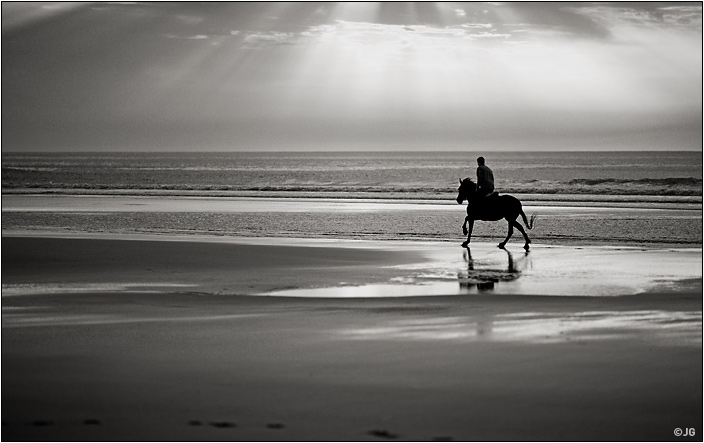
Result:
[492,208]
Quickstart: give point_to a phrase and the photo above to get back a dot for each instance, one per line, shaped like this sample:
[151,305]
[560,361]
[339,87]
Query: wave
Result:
[620,201]
[674,181]
[685,187]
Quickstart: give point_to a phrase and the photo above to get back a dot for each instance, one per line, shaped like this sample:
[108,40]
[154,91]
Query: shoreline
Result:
[692,202]
[404,243]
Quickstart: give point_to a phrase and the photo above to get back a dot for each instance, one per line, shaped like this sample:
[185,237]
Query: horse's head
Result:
[466,190]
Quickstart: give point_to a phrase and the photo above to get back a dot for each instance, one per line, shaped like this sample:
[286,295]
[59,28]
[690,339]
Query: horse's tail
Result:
[525,220]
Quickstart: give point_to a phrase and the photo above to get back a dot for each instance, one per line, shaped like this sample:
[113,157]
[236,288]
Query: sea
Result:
[605,198]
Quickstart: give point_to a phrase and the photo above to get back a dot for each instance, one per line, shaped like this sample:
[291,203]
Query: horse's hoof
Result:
[502,245]
[526,246]
[465,244]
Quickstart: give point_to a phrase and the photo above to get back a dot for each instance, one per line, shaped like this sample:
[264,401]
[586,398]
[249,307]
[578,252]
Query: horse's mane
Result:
[467,180]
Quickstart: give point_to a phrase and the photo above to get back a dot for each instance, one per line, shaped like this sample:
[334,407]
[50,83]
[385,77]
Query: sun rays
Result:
[310,75]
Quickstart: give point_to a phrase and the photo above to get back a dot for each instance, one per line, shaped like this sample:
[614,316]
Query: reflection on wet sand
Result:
[682,328]
[553,271]
[484,278]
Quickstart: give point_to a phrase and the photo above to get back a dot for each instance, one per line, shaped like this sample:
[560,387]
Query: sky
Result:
[133,76]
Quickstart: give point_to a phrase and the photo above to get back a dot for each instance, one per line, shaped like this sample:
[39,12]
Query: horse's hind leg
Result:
[522,231]
[510,233]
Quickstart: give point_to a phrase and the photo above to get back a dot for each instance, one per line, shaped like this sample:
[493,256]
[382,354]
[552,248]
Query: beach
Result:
[135,338]
[311,297]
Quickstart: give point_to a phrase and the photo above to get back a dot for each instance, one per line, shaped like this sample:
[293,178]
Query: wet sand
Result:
[114,339]
[566,222]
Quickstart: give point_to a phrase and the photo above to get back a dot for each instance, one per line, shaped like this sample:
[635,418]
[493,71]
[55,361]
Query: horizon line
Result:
[220,151]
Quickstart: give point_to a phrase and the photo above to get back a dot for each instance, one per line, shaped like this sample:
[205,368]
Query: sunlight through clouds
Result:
[476,64]
[289,75]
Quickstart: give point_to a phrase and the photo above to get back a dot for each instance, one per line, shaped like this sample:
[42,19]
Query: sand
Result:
[559,223]
[135,338]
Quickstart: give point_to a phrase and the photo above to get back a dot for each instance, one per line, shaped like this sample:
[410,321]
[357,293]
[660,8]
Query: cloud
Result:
[16,15]
[454,35]
[688,16]
[188,37]
[490,35]
[477,25]
[273,38]
[366,33]
[53,6]
[666,18]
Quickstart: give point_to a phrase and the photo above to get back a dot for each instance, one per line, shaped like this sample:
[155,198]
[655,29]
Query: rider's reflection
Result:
[486,278]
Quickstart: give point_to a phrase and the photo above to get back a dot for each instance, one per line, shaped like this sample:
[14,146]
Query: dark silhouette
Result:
[491,208]
[485,278]
[485,178]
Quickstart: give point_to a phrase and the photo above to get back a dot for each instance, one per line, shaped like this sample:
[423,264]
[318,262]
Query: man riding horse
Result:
[484,204]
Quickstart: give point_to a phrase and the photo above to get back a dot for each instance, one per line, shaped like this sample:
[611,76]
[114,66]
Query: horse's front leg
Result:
[467,229]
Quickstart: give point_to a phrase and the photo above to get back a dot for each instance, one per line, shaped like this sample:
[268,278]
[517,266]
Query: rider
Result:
[485,179]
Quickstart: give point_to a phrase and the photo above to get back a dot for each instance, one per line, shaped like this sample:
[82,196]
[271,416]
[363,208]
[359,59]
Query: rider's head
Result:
[480,161]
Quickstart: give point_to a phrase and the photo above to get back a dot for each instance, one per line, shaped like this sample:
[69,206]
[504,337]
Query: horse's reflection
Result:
[485,278]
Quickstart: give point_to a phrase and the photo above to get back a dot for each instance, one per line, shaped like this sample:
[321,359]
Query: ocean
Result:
[425,175]
[624,198]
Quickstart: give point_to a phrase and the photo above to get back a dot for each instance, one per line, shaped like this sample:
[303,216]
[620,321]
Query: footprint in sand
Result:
[383,434]
[42,423]
[222,424]
[91,421]
[275,426]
